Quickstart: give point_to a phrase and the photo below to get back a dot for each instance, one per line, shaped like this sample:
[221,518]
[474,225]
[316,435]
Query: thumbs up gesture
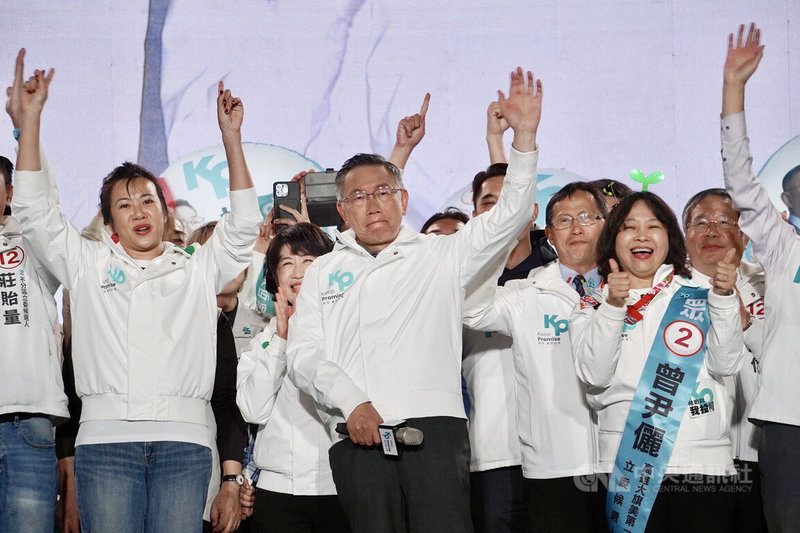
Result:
[724,279]
[619,284]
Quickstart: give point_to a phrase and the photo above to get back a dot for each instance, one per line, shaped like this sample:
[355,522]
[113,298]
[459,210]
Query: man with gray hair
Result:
[376,334]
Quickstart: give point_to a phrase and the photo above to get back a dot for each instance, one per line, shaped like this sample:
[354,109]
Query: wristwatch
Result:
[235,478]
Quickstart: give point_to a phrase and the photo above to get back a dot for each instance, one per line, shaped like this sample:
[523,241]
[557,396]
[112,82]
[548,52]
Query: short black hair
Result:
[453,213]
[496,169]
[786,183]
[6,169]
[612,188]
[607,244]
[127,171]
[697,198]
[303,238]
[366,160]
[568,190]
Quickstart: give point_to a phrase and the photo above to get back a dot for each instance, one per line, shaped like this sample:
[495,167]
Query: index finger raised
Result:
[424,109]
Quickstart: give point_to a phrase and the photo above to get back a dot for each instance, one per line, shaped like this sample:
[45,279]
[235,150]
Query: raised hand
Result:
[496,125]
[743,55]
[265,233]
[619,285]
[522,109]
[410,131]
[724,279]
[230,112]
[26,99]
[742,60]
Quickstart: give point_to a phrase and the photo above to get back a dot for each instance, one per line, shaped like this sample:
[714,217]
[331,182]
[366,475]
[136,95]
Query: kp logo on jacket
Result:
[116,276]
[341,280]
[553,328]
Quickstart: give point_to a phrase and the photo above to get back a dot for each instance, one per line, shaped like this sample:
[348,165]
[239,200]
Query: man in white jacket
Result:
[777,399]
[31,389]
[711,226]
[377,334]
[557,429]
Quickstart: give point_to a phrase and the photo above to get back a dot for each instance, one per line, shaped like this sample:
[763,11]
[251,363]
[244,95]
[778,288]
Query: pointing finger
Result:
[424,109]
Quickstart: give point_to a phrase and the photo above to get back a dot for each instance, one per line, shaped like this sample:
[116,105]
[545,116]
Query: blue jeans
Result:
[28,476]
[141,487]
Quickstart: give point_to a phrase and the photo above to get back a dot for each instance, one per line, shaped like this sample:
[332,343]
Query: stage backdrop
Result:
[628,84]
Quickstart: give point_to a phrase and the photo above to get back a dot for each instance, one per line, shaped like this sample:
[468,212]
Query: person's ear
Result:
[341,211]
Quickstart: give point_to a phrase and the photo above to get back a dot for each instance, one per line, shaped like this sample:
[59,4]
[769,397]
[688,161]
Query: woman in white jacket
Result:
[295,490]
[642,257]
[144,317]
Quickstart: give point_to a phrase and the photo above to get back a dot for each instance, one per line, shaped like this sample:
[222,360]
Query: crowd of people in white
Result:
[620,369]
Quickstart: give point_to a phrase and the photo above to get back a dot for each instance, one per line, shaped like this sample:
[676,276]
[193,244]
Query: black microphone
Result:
[391,433]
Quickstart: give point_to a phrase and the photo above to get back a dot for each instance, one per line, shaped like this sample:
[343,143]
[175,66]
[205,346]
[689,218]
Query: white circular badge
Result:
[683,338]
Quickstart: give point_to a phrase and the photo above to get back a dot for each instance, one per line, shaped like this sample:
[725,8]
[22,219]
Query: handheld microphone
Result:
[391,432]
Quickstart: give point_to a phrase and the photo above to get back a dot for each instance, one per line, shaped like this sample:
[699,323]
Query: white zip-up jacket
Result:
[387,329]
[556,425]
[488,370]
[778,250]
[143,339]
[292,442]
[30,367]
[610,360]
[742,385]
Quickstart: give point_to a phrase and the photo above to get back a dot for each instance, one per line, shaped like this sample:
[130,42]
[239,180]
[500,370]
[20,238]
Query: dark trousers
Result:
[779,459]
[276,512]
[749,508]
[692,502]
[565,504]
[426,489]
[498,500]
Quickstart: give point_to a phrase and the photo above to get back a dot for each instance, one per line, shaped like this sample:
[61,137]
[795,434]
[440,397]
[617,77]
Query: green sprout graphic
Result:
[639,177]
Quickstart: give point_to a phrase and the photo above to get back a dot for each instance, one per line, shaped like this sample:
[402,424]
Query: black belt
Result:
[11,417]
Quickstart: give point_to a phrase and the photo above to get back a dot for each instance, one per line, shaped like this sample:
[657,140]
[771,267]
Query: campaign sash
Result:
[657,409]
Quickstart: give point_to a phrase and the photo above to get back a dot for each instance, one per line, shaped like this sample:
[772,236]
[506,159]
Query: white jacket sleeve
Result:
[55,241]
[596,337]
[309,367]
[259,376]
[759,219]
[247,296]
[229,249]
[754,338]
[725,347]
[496,312]
[488,236]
